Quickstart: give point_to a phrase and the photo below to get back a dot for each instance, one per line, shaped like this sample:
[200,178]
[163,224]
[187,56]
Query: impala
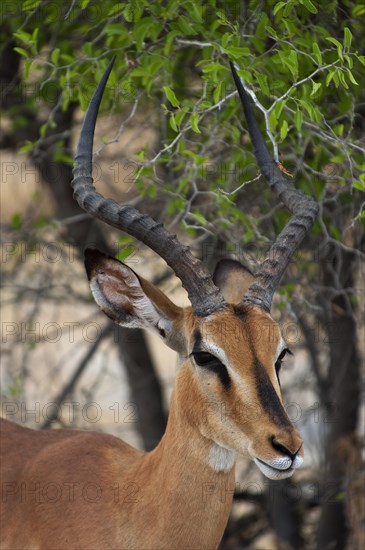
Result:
[74,489]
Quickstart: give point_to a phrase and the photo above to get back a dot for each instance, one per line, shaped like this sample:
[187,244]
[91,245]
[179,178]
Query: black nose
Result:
[283,449]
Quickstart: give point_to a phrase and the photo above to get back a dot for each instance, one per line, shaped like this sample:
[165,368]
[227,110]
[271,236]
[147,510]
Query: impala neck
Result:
[182,462]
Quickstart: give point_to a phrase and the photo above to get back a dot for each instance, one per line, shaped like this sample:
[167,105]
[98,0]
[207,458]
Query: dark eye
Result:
[203,358]
[208,361]
[280,358]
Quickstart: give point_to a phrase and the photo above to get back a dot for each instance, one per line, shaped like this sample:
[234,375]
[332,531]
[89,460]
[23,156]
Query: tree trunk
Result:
[344,394]
[144,386]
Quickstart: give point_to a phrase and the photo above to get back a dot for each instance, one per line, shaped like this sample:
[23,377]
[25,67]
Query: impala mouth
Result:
[279,468]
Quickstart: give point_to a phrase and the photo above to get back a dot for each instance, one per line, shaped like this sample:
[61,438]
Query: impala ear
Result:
[233,279]
[131,301]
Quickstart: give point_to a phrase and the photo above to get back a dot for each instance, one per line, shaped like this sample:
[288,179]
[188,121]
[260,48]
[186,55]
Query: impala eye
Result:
[203,358]
[213,364]
[280,359]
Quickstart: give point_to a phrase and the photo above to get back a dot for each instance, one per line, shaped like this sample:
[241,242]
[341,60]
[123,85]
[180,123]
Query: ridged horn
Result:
[304,211]
[204,296]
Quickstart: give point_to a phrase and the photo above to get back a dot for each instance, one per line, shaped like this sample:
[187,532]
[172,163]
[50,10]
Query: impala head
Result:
[228,383]
[229,347]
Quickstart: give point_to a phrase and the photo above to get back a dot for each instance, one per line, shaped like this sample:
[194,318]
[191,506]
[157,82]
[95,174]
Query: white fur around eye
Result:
[220,353]
[281,346]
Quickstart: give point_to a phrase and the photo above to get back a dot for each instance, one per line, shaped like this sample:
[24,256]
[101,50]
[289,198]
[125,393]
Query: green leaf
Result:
[334,41]
[298,120]
[194,12]
[16,221]
[146,26]
[125,240]
[28,146]
[273,120]
[315,87]
[262,80]
[294,60]
[27,66]
[116,9]
[342,78]
[334,232]
[358,10]
[35,35]
[271,32]
[213,68]
[124,253]
[290,60]
[317,54]
[279,108]
[55,55]
[309,5]
[347,38]
[226,38]
[339,46]
[24,37]
[43,129]
[172,122]
[284,130]
[194,119]
[169,38]
[179,115]
[170,94]
[278,7]
[22,52]
[360,185]
[84,4]
[151,190]
[237,52]
[40,222]
[309,108]
[349,61]
[30,5]
[217,92]
[83,99]
[184,24]
[338,129]
[199,216]
[330,76]
[115,29]
[352,78]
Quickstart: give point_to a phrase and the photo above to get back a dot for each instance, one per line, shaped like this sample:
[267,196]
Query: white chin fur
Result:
[220,458]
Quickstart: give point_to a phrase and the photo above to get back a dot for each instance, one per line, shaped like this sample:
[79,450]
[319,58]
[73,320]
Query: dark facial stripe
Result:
[197,339]
[218,368]
[268,397]
[214,365]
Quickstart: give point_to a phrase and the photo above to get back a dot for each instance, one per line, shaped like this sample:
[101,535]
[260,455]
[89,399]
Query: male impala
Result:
[73,489]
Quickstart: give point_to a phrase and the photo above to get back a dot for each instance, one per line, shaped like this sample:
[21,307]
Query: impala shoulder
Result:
[92,451]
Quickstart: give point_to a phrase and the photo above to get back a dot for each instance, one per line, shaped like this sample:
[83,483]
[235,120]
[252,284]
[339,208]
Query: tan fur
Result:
[71,489]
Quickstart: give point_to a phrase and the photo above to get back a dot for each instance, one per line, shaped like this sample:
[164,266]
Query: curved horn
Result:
[204,296]
[304,210]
